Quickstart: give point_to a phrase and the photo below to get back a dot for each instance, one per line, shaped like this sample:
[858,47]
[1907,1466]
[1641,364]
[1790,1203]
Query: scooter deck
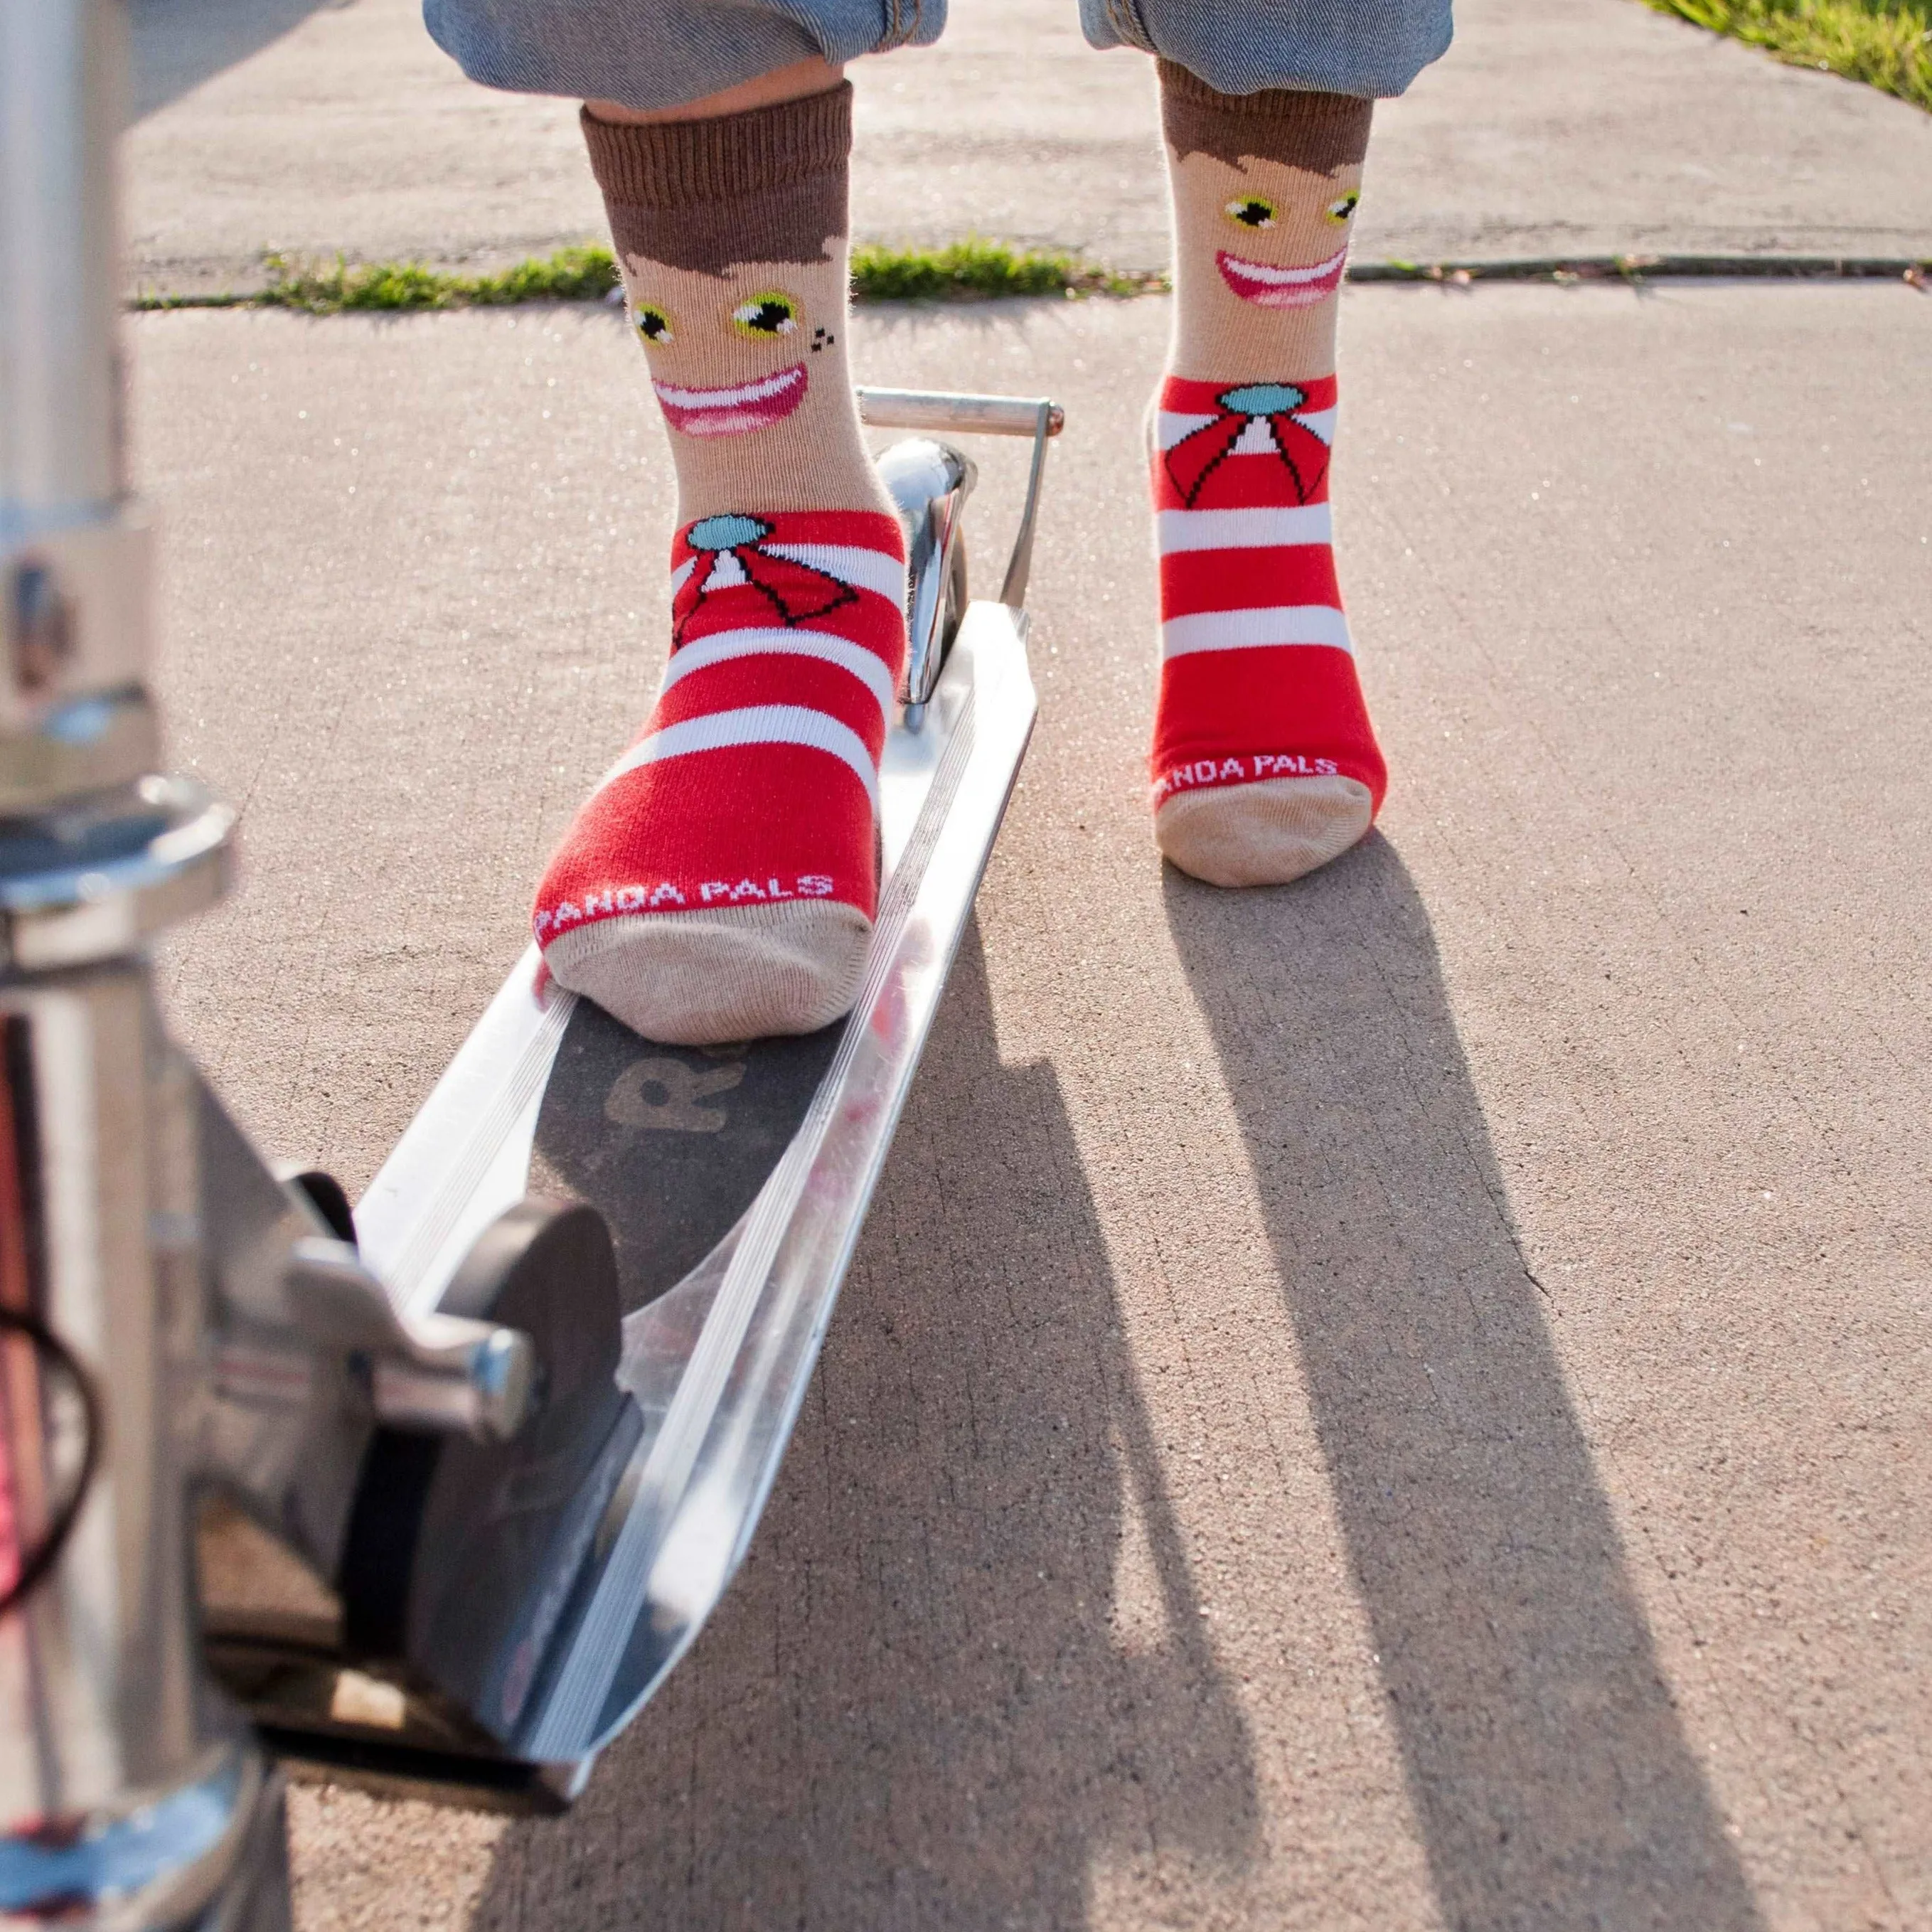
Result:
[734,1181]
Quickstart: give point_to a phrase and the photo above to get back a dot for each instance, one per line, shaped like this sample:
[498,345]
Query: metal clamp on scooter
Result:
[390,1498]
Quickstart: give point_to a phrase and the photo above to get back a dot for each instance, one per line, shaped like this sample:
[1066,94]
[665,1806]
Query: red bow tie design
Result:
[728,556]
[1199,454]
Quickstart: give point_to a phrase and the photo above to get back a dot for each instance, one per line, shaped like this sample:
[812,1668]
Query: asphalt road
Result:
[1399,1401]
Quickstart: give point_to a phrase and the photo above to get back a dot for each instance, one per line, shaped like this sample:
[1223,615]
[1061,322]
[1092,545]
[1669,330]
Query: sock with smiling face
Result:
[1265,765]
[721,883]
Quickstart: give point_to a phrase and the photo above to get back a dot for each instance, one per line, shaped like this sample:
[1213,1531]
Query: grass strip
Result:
[974,270]
[1885,43]
[977,270]
[1650,268]
[969,270]
[339,287]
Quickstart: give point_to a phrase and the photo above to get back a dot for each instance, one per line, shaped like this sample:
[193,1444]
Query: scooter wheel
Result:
[452,1561]
[325,1194]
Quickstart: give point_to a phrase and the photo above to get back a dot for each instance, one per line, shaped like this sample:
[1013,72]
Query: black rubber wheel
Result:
[450,1563]
[325,1194]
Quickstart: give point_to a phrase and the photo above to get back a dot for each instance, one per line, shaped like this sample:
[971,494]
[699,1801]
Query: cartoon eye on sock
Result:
[771,313]
[754,395]
[1299,219]
[749,329]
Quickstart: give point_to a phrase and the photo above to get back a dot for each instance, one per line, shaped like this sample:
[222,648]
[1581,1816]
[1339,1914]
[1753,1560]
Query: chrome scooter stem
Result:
[128,1795]
[73,560]
[174,1320]
[60,96]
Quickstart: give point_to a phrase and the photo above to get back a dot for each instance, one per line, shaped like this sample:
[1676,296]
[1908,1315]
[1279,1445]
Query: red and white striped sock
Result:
[1264,763]
[721,882]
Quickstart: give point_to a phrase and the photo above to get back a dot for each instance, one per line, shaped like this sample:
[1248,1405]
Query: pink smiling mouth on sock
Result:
[1282,288]
[733,411]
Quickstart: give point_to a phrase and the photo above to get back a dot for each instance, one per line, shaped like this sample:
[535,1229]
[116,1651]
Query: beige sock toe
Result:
[694,979]
[1264,834]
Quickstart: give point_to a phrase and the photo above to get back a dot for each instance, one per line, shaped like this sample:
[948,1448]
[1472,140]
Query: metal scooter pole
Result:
[127,1796]
[176,1323]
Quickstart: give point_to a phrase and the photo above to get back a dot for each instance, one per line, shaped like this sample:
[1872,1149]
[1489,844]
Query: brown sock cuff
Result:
[671,164]
[1317,132]
[766,185]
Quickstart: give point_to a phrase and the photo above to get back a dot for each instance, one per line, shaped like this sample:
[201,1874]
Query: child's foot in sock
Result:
[1265,764]
[721,883]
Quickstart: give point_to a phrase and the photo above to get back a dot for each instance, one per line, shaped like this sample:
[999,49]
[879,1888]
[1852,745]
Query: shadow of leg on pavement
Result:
[964,1661]
[179,43]
[1550,1779]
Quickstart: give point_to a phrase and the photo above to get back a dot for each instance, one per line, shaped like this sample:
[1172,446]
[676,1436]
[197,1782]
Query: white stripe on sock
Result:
[681,573]
[1239,630]
[1321,422]
[1244,529]
[1174,427]
[723,647]
[850,563]
[756,724]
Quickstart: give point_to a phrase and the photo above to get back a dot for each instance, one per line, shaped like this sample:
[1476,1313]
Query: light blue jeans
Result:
[662,53]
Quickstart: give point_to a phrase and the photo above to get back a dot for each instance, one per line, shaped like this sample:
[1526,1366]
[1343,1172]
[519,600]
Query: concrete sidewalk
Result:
[1397,1403]
[1553,126]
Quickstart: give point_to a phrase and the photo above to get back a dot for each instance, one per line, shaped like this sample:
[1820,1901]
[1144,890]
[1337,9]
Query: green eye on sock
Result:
[1338,211]
[774,313]
[1251,211]
[652,324]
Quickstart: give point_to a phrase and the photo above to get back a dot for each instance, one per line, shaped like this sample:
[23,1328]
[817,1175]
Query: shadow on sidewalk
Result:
[965,1659]
[1549,1775]
[179,43]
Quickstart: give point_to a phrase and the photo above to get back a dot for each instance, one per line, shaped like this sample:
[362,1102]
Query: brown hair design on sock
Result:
[714,238]
[766,185]
[1318,133]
